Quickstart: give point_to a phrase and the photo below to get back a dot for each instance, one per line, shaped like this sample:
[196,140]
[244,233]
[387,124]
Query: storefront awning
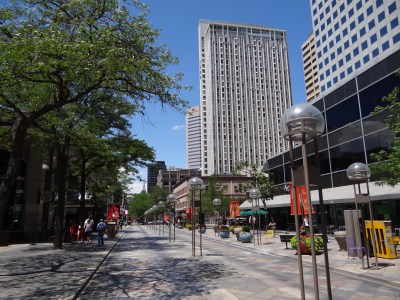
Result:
[244,213]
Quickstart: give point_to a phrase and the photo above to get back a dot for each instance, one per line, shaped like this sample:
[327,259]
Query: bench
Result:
[285,238]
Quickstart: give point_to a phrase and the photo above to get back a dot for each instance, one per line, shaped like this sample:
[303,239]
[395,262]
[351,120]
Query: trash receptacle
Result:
[111,229]
[340,237]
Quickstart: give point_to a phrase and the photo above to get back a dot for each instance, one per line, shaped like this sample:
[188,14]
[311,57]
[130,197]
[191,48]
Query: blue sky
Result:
[178,21]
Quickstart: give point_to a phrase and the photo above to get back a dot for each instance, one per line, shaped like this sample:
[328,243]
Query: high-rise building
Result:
[193,138]
[152,174]
[310,68]
[244,88]
[351,35]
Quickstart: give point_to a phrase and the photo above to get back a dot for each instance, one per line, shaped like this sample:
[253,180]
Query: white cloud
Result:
[178,127]
[136,188]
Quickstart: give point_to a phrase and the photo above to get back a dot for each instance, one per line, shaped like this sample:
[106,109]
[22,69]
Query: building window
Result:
[360,18]
[392,7]
[366,58]
[354,38]
[351,12]
[348,57]
[369,10]
[349,70]
[364,45]
[396,38]
[357,64]
[337,38]
[333,55]
[373,38]
[394,23]
[346,44]
[375,52]
[356,52]
[343,20]
[383,31]
[336,26]
[339,50]
[340,63]
[330,44]
[345,32]
[342,75]
[335,79]
[385,45]
[359,4]
[334,68]
[326,61]
[381,16]
[362,31]
[371,24]
[379,3]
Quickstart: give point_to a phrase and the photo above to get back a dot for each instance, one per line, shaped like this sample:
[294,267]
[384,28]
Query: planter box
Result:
[246,237]
[224,234]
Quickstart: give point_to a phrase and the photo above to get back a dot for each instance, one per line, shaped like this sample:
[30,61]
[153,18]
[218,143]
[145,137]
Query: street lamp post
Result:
[154,210]
[195,184]
[217,203]
[161,206]
[255,195]
[171,198]
[357,173]
[302,123]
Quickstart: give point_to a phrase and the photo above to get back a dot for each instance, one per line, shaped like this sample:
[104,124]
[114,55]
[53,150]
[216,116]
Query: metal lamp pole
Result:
[255,195]
[195,184]
[154,210]
[303,123]
[359,172]
[171,198]
[161,205]
[217,203]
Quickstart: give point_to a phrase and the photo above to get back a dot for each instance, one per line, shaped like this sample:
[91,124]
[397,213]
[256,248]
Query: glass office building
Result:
[351,135]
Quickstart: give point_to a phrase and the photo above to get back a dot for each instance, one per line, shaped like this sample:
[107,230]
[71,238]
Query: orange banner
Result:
[301,195]
[234,210]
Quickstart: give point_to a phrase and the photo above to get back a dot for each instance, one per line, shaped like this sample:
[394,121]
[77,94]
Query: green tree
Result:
[387,162]
[258,179]
[139,205]
[212,191]
[54,53]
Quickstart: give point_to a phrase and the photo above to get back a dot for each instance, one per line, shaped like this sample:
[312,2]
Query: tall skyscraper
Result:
[351,35]
[310,68]
[152,174]
[244,88]
[193,136]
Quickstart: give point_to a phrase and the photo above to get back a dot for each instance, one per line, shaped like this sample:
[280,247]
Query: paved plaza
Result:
[87,271]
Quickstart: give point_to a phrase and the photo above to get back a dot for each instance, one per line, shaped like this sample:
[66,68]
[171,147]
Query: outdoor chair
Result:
[351,246]
[270,234]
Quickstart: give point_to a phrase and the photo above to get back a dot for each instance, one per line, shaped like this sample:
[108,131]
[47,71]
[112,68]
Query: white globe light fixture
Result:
[358,172]
[302,119]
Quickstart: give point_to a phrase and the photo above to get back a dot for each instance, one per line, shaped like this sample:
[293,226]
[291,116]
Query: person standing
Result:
[306,224]
[88,229]
[81,233]
[74,233]
[101,229]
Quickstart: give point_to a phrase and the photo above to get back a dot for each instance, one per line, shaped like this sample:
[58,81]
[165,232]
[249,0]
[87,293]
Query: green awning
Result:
[251,212]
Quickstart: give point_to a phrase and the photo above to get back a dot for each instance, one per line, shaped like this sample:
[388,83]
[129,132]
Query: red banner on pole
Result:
[113,212]
[234,209]
[301,197]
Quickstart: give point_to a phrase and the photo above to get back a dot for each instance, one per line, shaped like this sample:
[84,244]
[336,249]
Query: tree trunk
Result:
[18,133]
[62,170]
[82,190]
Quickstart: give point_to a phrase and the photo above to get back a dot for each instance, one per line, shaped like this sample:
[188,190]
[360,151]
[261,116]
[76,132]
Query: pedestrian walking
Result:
[88,225]
[101,229]
[81,233]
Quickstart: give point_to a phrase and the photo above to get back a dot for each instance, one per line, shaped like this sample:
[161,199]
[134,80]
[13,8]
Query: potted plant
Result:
[189,226]
[224,231]
[245,235]
[305,243]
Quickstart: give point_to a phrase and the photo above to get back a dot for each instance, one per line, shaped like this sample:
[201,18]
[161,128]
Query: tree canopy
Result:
[88,53]
[386,163]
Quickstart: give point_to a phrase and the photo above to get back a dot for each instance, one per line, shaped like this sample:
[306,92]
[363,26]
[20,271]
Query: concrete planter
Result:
[246,237]
[224,234]
[340,237]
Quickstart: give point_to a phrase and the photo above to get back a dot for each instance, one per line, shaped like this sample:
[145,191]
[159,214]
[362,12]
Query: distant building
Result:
[168,178]
[193,138]
[310,68]
[152,173]
[244,88]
